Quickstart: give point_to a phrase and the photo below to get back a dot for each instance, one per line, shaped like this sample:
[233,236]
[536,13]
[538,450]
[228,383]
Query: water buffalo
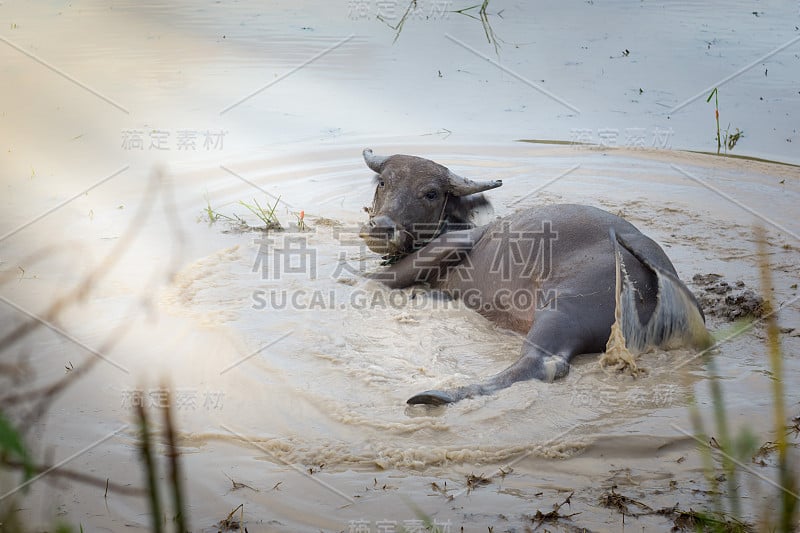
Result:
[562,275]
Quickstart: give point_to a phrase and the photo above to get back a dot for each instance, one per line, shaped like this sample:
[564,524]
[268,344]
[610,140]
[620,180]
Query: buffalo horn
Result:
[375,162]
[462,186]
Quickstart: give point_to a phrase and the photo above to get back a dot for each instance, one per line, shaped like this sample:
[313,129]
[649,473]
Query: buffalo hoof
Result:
[431,397]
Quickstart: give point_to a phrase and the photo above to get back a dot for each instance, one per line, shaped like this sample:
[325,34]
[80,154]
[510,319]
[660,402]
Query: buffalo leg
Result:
[555,337]
[429,263]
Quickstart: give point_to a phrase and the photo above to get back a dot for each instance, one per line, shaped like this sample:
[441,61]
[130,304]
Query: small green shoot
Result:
[301,222]
[399,26]
[714,94]
[732,138]
[267,216]
[484,18]
[728,140]
[211,215]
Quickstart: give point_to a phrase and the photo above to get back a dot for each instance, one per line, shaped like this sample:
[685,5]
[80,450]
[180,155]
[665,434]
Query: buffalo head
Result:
[415,200]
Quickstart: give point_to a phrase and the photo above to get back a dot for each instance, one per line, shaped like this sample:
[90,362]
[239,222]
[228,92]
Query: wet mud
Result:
[727,300]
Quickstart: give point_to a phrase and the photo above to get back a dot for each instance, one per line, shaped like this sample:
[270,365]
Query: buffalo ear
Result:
[462,186]
[374,162]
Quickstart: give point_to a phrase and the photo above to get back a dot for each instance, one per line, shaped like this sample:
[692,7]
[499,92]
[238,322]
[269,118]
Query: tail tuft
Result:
[617,354]
[677,320]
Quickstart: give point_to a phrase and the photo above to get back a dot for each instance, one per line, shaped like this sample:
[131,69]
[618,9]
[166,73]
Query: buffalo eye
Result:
[431,195]
[381,183]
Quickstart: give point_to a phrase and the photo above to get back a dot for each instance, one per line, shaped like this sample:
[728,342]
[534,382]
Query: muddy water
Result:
[307,367]
[290,371]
